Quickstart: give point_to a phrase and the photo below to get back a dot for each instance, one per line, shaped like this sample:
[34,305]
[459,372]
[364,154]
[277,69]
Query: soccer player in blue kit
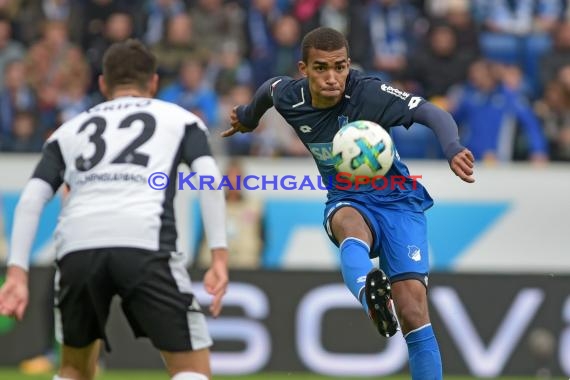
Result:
[365,222]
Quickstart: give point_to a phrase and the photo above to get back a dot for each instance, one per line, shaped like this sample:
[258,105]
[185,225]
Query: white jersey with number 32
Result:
[117,159]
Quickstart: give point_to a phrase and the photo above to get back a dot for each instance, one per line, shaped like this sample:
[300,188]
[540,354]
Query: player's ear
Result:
[302,68]
[153,84]
[103,86]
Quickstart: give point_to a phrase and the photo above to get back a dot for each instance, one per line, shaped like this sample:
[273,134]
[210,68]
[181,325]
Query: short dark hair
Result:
[323,38]
[128,63]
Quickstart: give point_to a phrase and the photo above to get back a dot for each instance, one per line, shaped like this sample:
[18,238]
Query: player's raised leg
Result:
[355,238]
[79,363]
[368,284]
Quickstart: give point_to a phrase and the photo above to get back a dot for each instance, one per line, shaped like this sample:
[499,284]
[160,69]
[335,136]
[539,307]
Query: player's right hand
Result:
[216,279]
[462,165]
[236,126]
[14,293]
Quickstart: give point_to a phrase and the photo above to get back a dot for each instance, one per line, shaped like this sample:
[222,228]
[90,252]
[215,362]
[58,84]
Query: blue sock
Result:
[425,360]
[355,265]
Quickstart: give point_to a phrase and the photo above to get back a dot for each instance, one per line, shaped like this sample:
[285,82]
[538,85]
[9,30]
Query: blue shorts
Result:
[399,239]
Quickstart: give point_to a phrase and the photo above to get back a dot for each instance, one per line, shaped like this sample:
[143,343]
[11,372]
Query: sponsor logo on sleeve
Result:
[394,91]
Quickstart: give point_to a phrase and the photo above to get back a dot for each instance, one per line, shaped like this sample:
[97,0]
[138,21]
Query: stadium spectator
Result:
[117,27]
[440,65]
[104,250]
[10,50]
[554,112]
[518,33]
[392,31]
[513,31]
[330,13]
[559,57]
[16,96]
[192,92]
[459,16]
[229,69]
[54,62]
[286,33]
[95,14]
[348,17]
[159,12]
[305,11]
[488,111]
[178,44]
[10,8]
[260,20]
[218,22]
[72,100]
[368,222]
[25,137]
[33,15]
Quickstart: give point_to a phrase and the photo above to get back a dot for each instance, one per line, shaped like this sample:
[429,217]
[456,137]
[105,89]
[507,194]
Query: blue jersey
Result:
[365,98]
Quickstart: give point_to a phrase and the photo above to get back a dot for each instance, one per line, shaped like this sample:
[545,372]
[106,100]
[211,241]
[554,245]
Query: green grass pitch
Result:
[11,374]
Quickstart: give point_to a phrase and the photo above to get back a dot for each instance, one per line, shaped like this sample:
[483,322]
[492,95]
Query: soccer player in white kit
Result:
[116,235]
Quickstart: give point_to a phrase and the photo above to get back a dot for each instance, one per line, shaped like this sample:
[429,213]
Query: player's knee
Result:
[411,304]
[189,376]
[412,315]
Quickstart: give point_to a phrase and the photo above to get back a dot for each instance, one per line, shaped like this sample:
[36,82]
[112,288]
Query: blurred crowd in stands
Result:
[501,67]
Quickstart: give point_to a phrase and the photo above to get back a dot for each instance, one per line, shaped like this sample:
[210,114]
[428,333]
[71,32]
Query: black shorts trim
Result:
[366,220]
[421,277]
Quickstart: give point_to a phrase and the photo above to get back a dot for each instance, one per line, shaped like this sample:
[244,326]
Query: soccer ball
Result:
[363,148]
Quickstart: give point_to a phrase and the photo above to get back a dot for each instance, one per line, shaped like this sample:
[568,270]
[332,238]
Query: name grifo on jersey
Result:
[114,106]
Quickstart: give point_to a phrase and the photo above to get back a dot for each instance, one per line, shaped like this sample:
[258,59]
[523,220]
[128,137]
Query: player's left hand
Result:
[216,279]
[236,125]
[14,293]
[462,165]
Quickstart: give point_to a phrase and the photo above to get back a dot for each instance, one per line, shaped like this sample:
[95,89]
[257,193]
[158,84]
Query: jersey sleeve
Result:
[390,106]
[277,86]
[195,142]
[266,96]
[51,167]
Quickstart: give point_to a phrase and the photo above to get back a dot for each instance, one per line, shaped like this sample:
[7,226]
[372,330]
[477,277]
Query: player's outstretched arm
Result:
[14,293]
[462,165]
[216,279]
[460,159]
[213,206]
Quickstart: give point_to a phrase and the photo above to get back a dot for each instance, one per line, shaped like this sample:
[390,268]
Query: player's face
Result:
[327,72]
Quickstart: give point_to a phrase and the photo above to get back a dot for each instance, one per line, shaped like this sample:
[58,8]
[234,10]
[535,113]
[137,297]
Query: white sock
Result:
[189,376]
[55,377]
